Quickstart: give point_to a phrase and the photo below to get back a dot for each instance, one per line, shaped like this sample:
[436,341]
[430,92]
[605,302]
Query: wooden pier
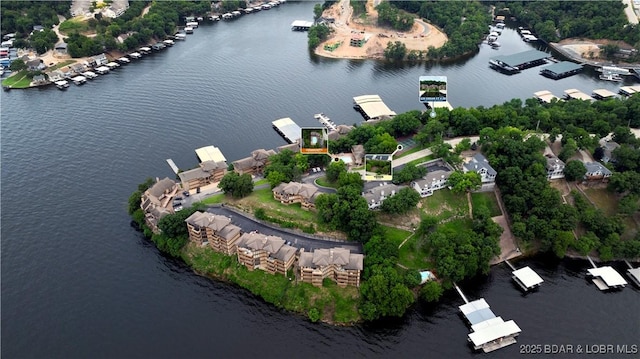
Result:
[325,121]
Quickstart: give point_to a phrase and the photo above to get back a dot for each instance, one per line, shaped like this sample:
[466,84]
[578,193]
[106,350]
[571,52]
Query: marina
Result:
[633,273]
[62,84]
[602,94]
[605,278]
[372,107]
[79,80]
[515,63]
[488,331]
[525,277]
[102,70]
[301,25]
[629,90]
[545,96]
[89,75]
[561,70]
[288,129]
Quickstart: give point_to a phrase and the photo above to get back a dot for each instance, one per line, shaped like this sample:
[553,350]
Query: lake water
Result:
[78,281]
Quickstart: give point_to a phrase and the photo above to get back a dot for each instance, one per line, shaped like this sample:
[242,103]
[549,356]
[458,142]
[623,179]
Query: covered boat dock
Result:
[301,25]
[489,332]
[602,94]
[606,278]
[561,70]
[544,96]
[527,279]
[575,94]
[516,62]
[287,129]
[634,274]
[210,153]
[372,107]
[629,90]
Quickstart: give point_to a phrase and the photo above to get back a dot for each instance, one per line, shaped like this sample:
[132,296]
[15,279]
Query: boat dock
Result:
[525,277]
[605,278]
[544,96]
[210,153]
[629,90]
[301,25]
[287,129]
[173,165]
[488,331]
[372,107]
[575,94]
[634,274]
[325,121]
[515,63]
[602,94]
[561,70]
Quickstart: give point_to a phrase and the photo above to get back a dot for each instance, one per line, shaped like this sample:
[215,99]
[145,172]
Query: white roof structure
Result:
[577,95]
[528,277]
[442,104]
[498,329]
[210,153]
[289,129]
[630,89]
[473,306]
[301,23]
[544,96]
[372,106]
[603,93]
[608,275]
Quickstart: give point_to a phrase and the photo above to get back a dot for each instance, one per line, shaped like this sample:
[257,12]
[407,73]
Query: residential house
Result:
[480,164]
[206,173]
[337,264]
[295,192]
[214,230]
[61,48]
[555,167]
[56,75]
[358,154]
[376,195]
[39,80]
[35,64]
[268,253]
[608,147]
[435,179]
[596,172]
[156,202]
[78,68]
[340,131]
[98,60]
[254,163]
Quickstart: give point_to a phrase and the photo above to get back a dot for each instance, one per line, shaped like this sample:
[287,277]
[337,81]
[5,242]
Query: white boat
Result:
[62,84]
[79,80]
[611,77]
[135,55]
[180,36]
[124,60]
[500,25]
[192,24]
[265,6]
[112,65]
[227,16]
[144,50]
[525,32]
[257,8]
[102,70]
[90,75]
[248,10]
[214,18]
[529,38]
[199,18]
[188,30]
[168,42]
[236,13]
[495,44]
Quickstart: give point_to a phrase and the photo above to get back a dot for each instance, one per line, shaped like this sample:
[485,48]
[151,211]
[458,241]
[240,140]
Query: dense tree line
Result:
[317,34]
[286,166]
[555,20]
[391,16]
[395,51]
[20,16]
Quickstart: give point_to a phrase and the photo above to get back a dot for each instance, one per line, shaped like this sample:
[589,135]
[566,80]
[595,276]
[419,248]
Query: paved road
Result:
[297,240]
[400,162]
[631,14]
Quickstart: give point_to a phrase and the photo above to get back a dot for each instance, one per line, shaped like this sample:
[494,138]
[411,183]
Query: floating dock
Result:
[544,96]
[372,108]
[602,94]
[210,153]
[575,94]
[489,332]
[605,278]
[325,121]
[173,166]
[287,129]
[525,277]
[517,62]
[561,70]
[301,25]
[634,274]
[629,90]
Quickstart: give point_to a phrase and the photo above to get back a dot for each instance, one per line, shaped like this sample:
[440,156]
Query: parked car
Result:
[185,193]
[177,198]
[179,208]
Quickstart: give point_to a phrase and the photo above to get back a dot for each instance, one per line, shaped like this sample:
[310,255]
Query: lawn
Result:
[263,198]
[445,204]
[19,80]
[395,235]
[605,200]
[410,151]
[61,65]
[260,182]
[216,198]
[74,24]
[322,181]
[414,257]
[487,199]
[421,160]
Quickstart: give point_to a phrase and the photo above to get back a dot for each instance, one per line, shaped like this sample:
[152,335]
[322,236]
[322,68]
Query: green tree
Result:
[334,169]
[384,295]
[275,178]
[17,65]
[464,182]
[402,202]
[574,171]
[236,185]
[395,51]
[431,291]
[317,11]
[409,173]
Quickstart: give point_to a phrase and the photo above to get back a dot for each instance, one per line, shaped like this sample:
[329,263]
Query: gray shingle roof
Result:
[161,186]
[479,162]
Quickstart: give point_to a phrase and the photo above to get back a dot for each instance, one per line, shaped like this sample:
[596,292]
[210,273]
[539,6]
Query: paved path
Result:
[631,14]
[508,247]
[426,152]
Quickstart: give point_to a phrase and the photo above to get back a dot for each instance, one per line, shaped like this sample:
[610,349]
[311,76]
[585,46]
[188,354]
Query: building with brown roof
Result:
[340,131]
[208,172]
[156,201]
[295,192]
[214,230]
[254,163]
[268,253]
[337,264]
[358,154]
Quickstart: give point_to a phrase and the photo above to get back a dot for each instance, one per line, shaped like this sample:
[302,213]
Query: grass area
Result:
[605,200]
[445,204]
[410,151]
[322,181]
[420,160]
[338,305]
[395,235]
[19,80]
[61,65]
[413,256]
[458,224]
[260,182]
[216,198]
[487,199]
[73,24]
